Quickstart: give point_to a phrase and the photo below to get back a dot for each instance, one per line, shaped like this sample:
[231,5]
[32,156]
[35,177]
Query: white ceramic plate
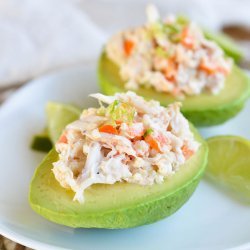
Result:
[209,220]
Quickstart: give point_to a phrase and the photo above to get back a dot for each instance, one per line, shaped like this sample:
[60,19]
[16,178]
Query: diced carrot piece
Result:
[211,69]
[207,68]
[186,39]
[171,78]
[152,143]
[108,129]
[138,138]
[170,70]
[188,42]
[187,152]
[63,139]
[118,122]
[128,47]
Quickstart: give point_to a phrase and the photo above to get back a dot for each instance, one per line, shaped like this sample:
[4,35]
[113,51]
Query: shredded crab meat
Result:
[171,56]
[127,139]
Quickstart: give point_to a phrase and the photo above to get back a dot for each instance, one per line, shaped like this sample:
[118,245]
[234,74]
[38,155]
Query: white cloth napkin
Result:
[37,36]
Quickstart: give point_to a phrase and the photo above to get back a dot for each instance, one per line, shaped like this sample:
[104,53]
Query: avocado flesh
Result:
[202,110]
[121,205]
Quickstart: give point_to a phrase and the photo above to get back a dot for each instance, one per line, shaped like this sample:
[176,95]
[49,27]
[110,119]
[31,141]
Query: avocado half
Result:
[202,110]
[121,205]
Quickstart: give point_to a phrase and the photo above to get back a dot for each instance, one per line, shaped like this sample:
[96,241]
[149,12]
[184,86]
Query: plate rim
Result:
[20,238]
[5,231]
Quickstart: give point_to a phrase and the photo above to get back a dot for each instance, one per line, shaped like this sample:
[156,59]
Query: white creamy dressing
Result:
[171,56]
[130,140]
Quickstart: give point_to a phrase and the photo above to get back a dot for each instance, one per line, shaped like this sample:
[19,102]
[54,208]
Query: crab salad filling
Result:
[169,55]
[126,139]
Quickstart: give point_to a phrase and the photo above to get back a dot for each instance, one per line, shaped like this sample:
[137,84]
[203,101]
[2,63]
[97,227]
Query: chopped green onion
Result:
[162,53]
[120,111]
[149,131]
[172,28]
[157,27]
[175,38]
[173,31]
[182,20]
[101,111]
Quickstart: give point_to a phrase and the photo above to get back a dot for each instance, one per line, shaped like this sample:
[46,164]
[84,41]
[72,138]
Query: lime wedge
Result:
[41,142]
[58,116]
[229,164]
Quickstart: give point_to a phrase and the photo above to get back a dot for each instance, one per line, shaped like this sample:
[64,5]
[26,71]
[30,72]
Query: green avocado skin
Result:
[200,118]
[145,213]
[203,110]
[55,203]
[214,116]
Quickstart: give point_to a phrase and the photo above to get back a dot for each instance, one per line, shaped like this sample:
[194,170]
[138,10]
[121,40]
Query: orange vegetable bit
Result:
[187,152]
[212,69]
[63,139]
[153,143]
[108,129]
[118,122]
[128,47]
[209,69]
[186,39]
[137,138]
[170,70]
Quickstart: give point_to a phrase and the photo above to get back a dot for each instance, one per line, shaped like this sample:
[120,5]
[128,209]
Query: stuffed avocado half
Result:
[173,59]
[202,110]
[127,194]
